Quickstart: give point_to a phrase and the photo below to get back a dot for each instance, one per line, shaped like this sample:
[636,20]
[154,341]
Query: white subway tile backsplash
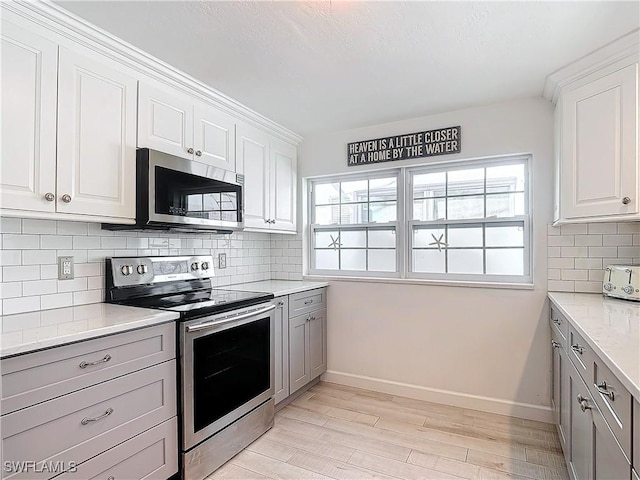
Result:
[40,287]
[589,287]
[87,269]
[588,263]
[553,251]
[20,273]
[38,257]
[10,257]
[629,228]
[11,306]
[575,251]
[56,241]
[19,241]
[112,242]
[72,285]
[10,225]
[10,290]
[629,252]
[561,241]
[72,228]
[588,240]
[603,252]
[89,296]
[57,300]
[575,274]
[30,225]
[604,228]
[86,243]
[48,271]
[617,240]
[79,256]
[561,286]
[574,229]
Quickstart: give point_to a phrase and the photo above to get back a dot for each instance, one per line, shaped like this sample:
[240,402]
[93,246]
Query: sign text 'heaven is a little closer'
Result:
[442,141]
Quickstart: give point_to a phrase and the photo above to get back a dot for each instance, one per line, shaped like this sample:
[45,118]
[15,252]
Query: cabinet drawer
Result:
[615,404]
[580,354]
[150,455]
[83,424]
[40,376]
[559,323]
[309,301]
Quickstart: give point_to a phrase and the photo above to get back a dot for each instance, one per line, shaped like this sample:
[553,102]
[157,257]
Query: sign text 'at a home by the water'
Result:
[442,141]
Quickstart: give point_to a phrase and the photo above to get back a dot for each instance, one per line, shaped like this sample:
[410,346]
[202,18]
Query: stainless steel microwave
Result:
[174,193]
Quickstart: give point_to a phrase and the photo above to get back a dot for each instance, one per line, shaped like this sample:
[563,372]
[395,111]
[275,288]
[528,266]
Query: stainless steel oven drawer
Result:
[40,376]
[83,424]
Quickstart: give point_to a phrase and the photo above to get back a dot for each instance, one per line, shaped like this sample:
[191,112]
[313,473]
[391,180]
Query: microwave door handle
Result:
[208,325]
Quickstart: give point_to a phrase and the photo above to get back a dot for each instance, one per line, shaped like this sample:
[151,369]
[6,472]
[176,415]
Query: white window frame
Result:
[313,227]
[404,225]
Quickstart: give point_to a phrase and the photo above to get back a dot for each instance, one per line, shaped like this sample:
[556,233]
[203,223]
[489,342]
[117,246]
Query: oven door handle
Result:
[207,325]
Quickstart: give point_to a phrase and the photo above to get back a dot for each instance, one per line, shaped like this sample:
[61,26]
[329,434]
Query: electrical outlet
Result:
[65,268]
[222,260]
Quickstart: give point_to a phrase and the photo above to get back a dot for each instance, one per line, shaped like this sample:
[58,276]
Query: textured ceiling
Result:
[315,66]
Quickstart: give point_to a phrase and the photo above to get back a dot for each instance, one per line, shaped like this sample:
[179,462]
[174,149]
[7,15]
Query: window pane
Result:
[326,259]
[423,236]
[465,207]
[465,182]
[327,215]
[429,185]
[353,238]
[324,238]
[382,260]
[327,193]
[505,236]
[382,238]
[383,189]
[505,178]
[354,191]
[467,236]
[353,259]
[194,202]
[429,209]
[353,213]
[505,205]
[505,261]
[428,261]
[382,212]
[465,261]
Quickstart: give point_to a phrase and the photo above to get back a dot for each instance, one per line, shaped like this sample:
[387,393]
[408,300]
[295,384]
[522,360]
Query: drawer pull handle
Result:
[111,478]
[555,344]
[104,359]
[281,303]
[603,388]
[577,348]
[584,405]
[308,302]
[86,420]
[557,321]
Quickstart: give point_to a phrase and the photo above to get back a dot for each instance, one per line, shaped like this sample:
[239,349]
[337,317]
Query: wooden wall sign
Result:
[442,141]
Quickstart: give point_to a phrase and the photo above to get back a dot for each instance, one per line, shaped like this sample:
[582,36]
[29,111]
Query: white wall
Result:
[480,348]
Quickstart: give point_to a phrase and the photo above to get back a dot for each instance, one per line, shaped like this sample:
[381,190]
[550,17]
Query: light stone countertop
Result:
[27,332]
[611,327]
[277,287]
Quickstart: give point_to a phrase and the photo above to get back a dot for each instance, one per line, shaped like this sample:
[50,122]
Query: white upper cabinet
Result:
[270,179]
[597,135]
[181,125]
[96,136]
[69,149]
[28,146]
[599,147]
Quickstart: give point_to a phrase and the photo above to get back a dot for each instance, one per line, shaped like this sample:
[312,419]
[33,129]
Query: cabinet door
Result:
[283,182]
[253,161]
[609,461]
[165,121]
[282,349]
[599,147]
[96,136]
[299,371]
[581,446]
[214,137]
[318,343]
[28,91]
[564,430]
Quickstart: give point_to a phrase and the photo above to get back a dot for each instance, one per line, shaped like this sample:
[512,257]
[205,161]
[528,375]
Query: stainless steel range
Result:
[225,343]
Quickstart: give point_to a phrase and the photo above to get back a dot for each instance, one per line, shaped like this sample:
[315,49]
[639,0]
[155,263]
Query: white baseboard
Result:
[463,400]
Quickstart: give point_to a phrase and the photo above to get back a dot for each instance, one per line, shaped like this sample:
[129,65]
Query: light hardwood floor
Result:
[343,433]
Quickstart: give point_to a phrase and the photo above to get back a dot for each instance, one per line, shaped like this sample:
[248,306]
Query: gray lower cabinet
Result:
[106,405]
[594,450]
[281,377]
[301,340]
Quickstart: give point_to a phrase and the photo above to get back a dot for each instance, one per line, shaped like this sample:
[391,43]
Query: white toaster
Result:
[622,281]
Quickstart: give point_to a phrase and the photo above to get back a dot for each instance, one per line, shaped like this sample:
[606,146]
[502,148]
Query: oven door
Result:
[227,364]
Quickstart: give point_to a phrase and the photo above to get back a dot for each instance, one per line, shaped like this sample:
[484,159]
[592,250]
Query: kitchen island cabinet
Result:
[595,383]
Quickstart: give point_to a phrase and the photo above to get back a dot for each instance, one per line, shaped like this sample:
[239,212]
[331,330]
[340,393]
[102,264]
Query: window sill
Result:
[419,281]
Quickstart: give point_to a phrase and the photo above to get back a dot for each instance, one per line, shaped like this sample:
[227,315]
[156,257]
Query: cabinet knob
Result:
[281,303]
[198,153]
[555,344]
[189,150]
[626,201]
[49,197]
[66,198]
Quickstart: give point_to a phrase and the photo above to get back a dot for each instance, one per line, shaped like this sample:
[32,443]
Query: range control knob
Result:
[142,269]
[608,287]
[205,265]
[127,270]
[195,266]
[628,289]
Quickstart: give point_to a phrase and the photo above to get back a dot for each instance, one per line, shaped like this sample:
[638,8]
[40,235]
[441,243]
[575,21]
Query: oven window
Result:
[230,368]
[186,195]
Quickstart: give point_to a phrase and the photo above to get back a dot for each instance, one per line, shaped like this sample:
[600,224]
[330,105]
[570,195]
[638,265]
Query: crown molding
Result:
[625,50]
[78,30]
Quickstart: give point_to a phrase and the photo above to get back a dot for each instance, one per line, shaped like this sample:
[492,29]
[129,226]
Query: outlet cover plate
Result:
[65,268]
[222,260]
